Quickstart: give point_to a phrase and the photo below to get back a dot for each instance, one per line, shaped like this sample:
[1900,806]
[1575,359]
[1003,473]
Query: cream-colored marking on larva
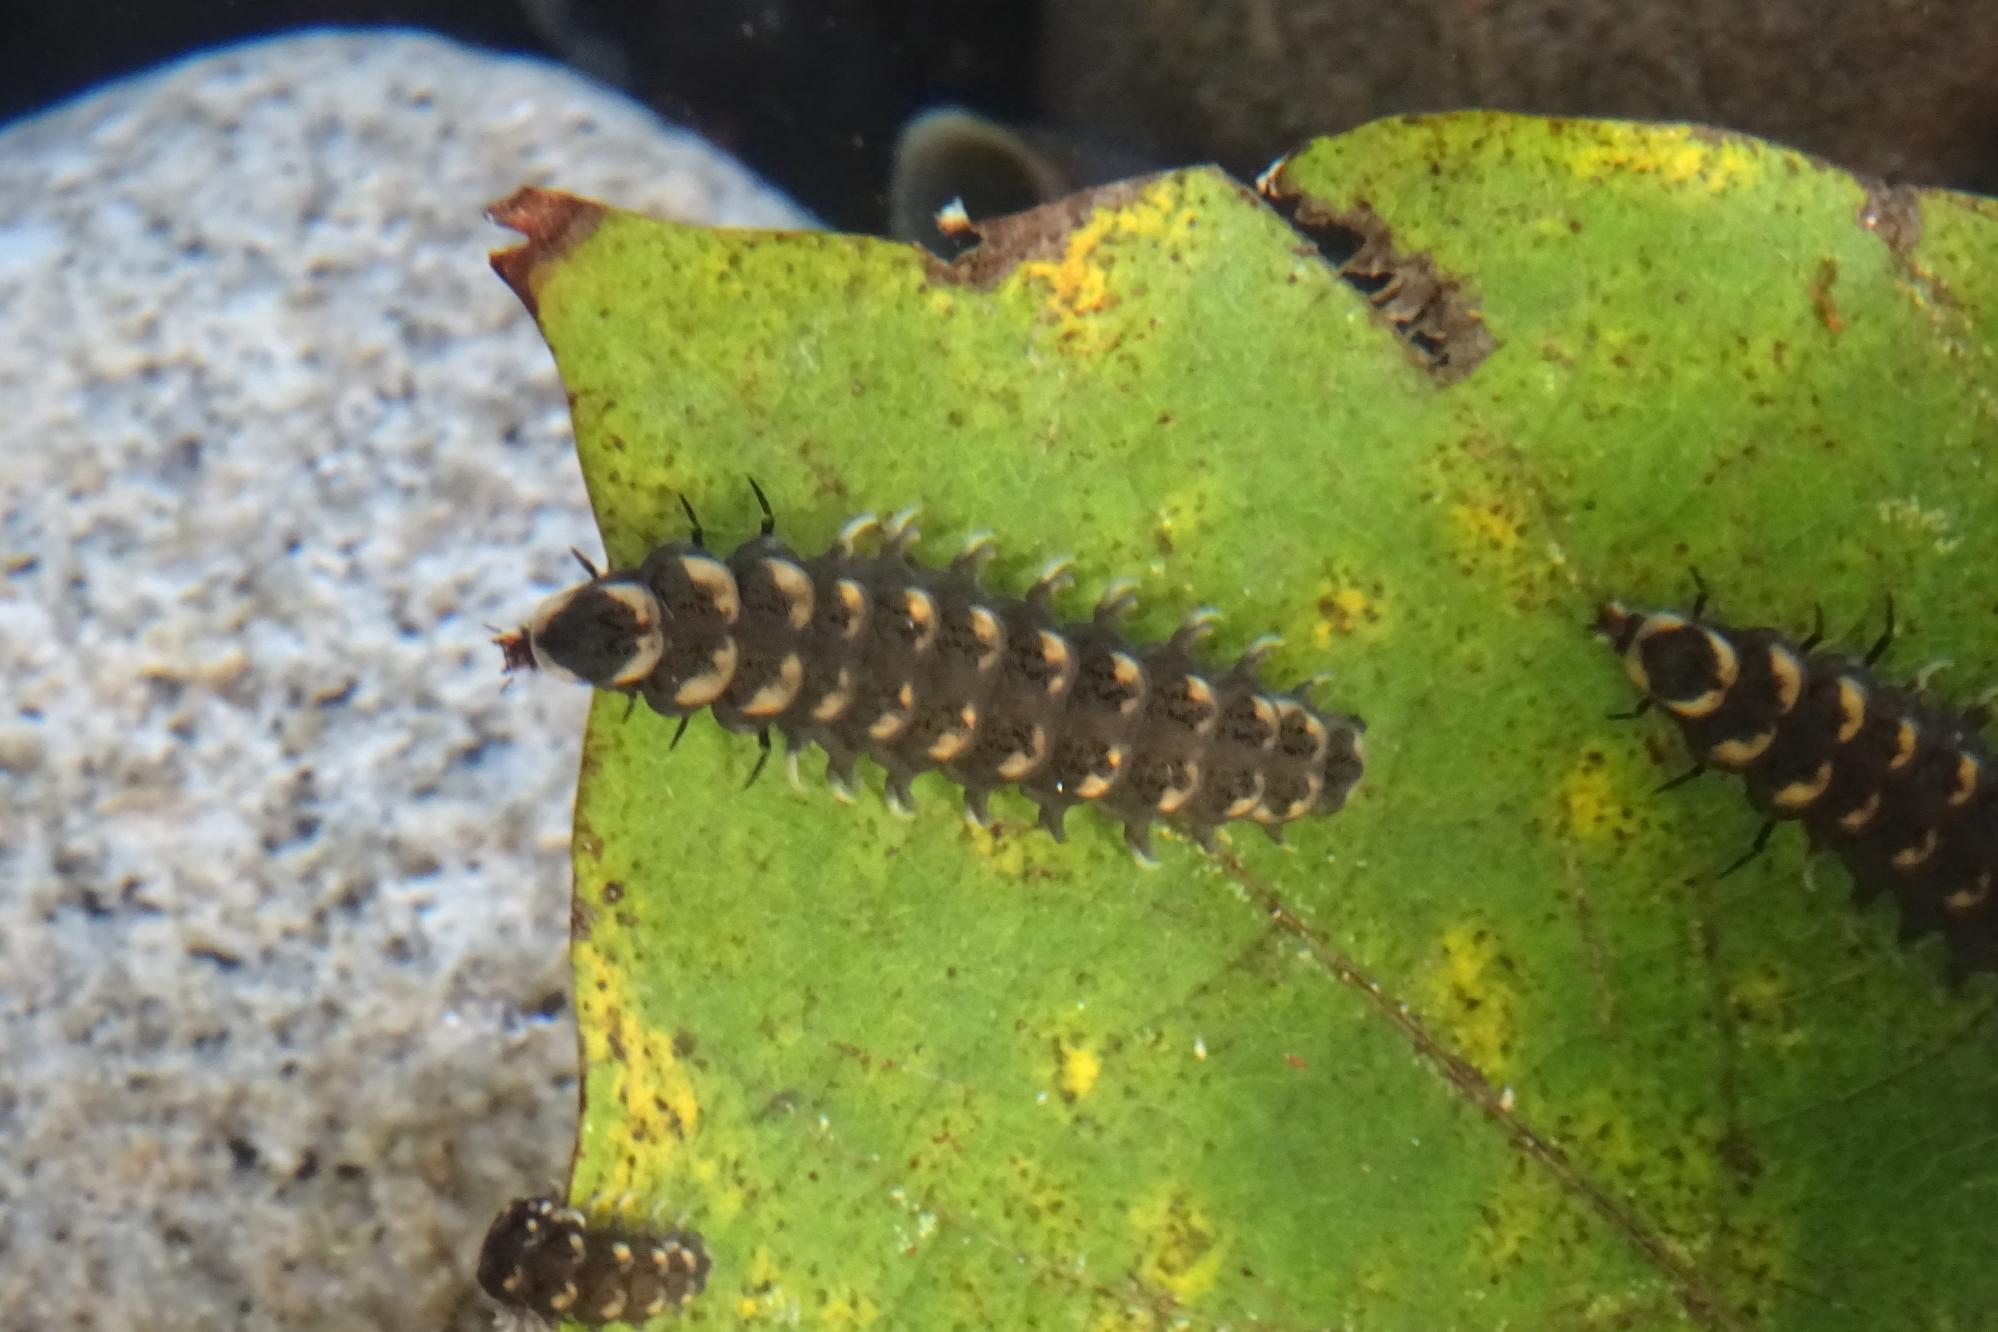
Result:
[1321,739]
[645,653]
[1020,762]
[1266,717]
[1851,708]
[949,744]
[1969,899]
[1094,785]
[1854,820]
[1297,808]
[1967,770]
[700,690]
[836,700]
[852,600]
[985,628]
[1663,622]
[1739,752]
[1804,794]
[1242,805]
[1200,694]
[1174,797]
[562,1299]
[892,723]
[712,577]
[1914,857]
[1788,673]
[651,643]
[613,1306]
[1125,670]
[795,586]
[1059,660]
[621,1255]
[779,693]
[1727,669]
[856,527]
[1907,738]
[900,532]
[1055,575]
[921,609]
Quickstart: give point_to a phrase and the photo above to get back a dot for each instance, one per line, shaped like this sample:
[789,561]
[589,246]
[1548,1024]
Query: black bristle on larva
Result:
[553,1261]
[1899,786]
[867,654]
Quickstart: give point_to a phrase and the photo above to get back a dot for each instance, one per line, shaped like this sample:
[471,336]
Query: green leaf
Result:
[1493,1048]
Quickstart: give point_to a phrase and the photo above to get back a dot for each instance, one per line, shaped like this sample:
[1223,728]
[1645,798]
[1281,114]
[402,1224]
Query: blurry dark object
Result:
[810,93]
[1905,89]
[954,155]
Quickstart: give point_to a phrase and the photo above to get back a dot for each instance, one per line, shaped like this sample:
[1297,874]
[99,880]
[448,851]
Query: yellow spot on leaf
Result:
[999,844]
[1082,282]
[766,1280]
[1487,524]
[848,1309]
[1475,1000]
[1763,1003]
[1593,804]
[1079,1070]
[629,1059]
[1717,165]
[1343,609]
[1183,1250]
[1670,1161]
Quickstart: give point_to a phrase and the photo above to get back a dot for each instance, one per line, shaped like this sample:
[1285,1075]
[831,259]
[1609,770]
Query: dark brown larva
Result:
[1900,787]
[550,1260]
[920,669]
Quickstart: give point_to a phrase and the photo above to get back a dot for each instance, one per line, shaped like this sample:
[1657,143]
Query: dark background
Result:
[812,94]
[809,93]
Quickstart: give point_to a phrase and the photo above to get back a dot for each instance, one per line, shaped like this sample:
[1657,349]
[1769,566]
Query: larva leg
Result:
[1880,644]
[696,535]
[1817,634]
[1755,848]
[762,757]
[763,503]
[1697,770]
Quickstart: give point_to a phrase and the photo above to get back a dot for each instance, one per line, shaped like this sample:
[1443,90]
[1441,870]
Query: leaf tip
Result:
[553,223]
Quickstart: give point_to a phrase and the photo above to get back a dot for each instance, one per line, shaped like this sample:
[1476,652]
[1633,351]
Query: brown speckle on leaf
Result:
[1431,311]
[1821,295]
[1894,214]
[553,222]
[1039,233]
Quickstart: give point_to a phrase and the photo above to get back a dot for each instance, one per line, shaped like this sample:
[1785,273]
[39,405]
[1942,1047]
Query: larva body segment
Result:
[1899,786]
[917,668]
[554,1262]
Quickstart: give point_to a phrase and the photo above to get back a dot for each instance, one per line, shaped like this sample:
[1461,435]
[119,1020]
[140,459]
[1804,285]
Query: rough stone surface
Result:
[283,885]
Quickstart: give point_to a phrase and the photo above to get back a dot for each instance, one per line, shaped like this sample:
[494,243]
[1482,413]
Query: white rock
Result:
[282,871]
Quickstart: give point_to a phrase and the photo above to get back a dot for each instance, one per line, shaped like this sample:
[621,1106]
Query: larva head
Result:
[525,1226]
[1679,662]
[1345,760]
[608,633]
